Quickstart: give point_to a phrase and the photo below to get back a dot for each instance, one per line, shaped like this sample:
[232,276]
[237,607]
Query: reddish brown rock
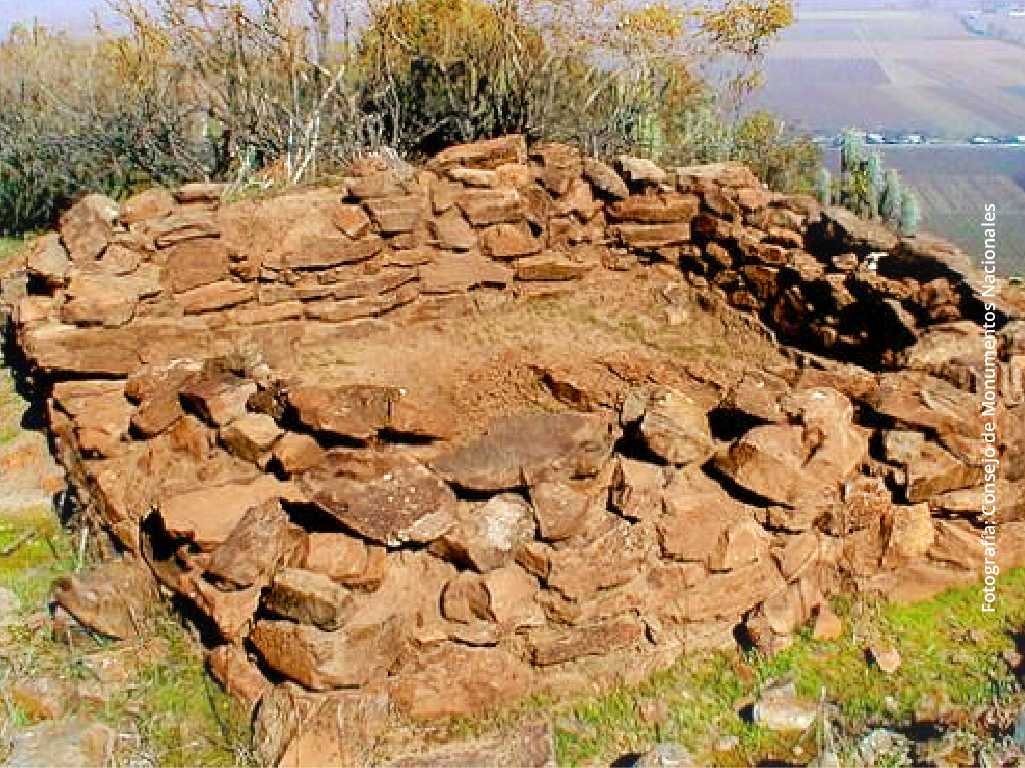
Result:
[655,209]
[214,296]
[297,452]
[730,174]
[675,428]
[697,511]
[549,647]
[913,400]
[935,471]
[916,582]
[250,436]
[578,199]
[232,668]
[321,251]
[727,595]
[383,183]
[651,235]
[352,410]
[101,415]
[486,536]
[351,220]
[549,265]
[200,192]
[841,231]
[834,444]
[47,260]
[610,560]
[759,394]
[827,624]
[180,227]
[473,177]
[510,598]
[560,509]
[452,681]
[220,399]
[207,516]
[157,415]
[402,502]
[194,263]
[95,299]
[309,597]
[86,227]
[911,534]
[113,599]
[338,556]
[451,230]
[636,491]
[262,541]
[322,660]
[231,612]
[529,745]
[742,542]
[575,443]
[958,544]
[487,153]
[455,273]
[151,204]
[769,461]
[484,207]
[509,241]
[396,214]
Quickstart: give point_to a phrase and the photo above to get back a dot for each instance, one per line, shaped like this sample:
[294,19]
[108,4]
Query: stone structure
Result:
[340,537]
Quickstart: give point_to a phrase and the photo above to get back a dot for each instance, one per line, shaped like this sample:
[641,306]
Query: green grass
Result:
[9,247]
[172,711]
[950,652]
[177,715]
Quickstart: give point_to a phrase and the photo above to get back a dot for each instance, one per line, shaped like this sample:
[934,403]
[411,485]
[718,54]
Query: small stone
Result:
[827,624]
[727,743]
[667,755]
[886,658]
[76,741]
[652,712]
[42,698]
[298,452]
[250,436]
[785,713]
[10,605]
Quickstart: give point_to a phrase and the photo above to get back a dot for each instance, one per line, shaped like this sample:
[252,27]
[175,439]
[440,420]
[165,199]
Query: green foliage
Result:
[871,191]
[824,186]
[951,655]
[784,161]
[910,216]
[70,124]
[892,197]
[190,89]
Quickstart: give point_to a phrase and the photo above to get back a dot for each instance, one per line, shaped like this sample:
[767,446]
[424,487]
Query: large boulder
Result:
[520,446]
[402,501]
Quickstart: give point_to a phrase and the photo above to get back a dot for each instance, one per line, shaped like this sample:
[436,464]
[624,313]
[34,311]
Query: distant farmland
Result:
[955,183]
[915,71]
[893,70]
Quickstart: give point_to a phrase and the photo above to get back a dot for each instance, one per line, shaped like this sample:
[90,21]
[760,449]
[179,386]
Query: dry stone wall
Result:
[323,548]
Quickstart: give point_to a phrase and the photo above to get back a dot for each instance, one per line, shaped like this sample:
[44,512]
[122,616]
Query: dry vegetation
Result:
[206,89]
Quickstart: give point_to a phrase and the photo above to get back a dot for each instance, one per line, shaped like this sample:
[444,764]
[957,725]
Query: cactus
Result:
[890,200]
[909,215]
[852,172]
[873,185]
[852,151]
[824,186]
